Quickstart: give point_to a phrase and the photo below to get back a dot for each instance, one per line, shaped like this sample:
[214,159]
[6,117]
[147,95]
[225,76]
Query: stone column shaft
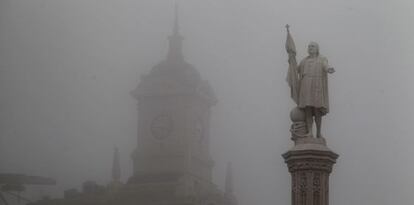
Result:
[310,166]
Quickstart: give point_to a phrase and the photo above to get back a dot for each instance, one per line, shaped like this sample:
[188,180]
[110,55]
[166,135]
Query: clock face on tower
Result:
[161,127]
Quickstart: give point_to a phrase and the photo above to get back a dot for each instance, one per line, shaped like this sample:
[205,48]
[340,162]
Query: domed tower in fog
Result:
[172,155]
[173,119]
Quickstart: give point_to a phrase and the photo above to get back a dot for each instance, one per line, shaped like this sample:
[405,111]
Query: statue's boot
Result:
[309,134]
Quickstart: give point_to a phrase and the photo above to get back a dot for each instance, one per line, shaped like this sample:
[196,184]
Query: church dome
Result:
[174,76]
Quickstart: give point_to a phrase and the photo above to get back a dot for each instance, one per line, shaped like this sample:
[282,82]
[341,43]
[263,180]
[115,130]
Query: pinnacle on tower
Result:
[116,168]
[175,51]
[229,179]
[176,28]
[228,189]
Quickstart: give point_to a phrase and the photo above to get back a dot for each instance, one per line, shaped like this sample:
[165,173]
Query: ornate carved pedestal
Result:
[310,162]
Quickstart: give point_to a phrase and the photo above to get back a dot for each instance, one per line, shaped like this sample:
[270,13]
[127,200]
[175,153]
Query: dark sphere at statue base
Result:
[297,115]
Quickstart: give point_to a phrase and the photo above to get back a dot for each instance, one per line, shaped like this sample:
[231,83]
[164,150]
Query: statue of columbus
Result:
[308,82]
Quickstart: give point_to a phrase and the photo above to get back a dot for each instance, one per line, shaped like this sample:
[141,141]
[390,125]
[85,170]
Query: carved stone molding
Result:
[297,165]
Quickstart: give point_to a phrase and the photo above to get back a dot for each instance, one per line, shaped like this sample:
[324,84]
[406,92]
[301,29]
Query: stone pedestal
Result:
[310,162]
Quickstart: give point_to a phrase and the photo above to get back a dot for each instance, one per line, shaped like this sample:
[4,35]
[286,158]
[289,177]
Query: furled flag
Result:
[292,76]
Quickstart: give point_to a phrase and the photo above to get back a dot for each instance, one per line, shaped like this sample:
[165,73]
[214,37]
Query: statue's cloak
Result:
[313,85]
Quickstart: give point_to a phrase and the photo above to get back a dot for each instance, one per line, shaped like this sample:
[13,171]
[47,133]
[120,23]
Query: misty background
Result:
[67,67]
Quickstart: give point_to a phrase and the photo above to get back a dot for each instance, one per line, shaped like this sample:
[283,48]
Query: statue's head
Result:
[313,49]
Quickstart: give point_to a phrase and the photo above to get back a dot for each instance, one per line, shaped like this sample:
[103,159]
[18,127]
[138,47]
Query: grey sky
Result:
[67,67]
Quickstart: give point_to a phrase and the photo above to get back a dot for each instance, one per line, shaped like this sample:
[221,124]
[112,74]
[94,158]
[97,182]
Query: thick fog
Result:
[67,69]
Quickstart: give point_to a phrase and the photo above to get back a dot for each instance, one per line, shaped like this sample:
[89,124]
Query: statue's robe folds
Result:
[313,83]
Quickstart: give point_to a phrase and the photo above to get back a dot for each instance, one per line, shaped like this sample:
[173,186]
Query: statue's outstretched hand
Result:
[331,70]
